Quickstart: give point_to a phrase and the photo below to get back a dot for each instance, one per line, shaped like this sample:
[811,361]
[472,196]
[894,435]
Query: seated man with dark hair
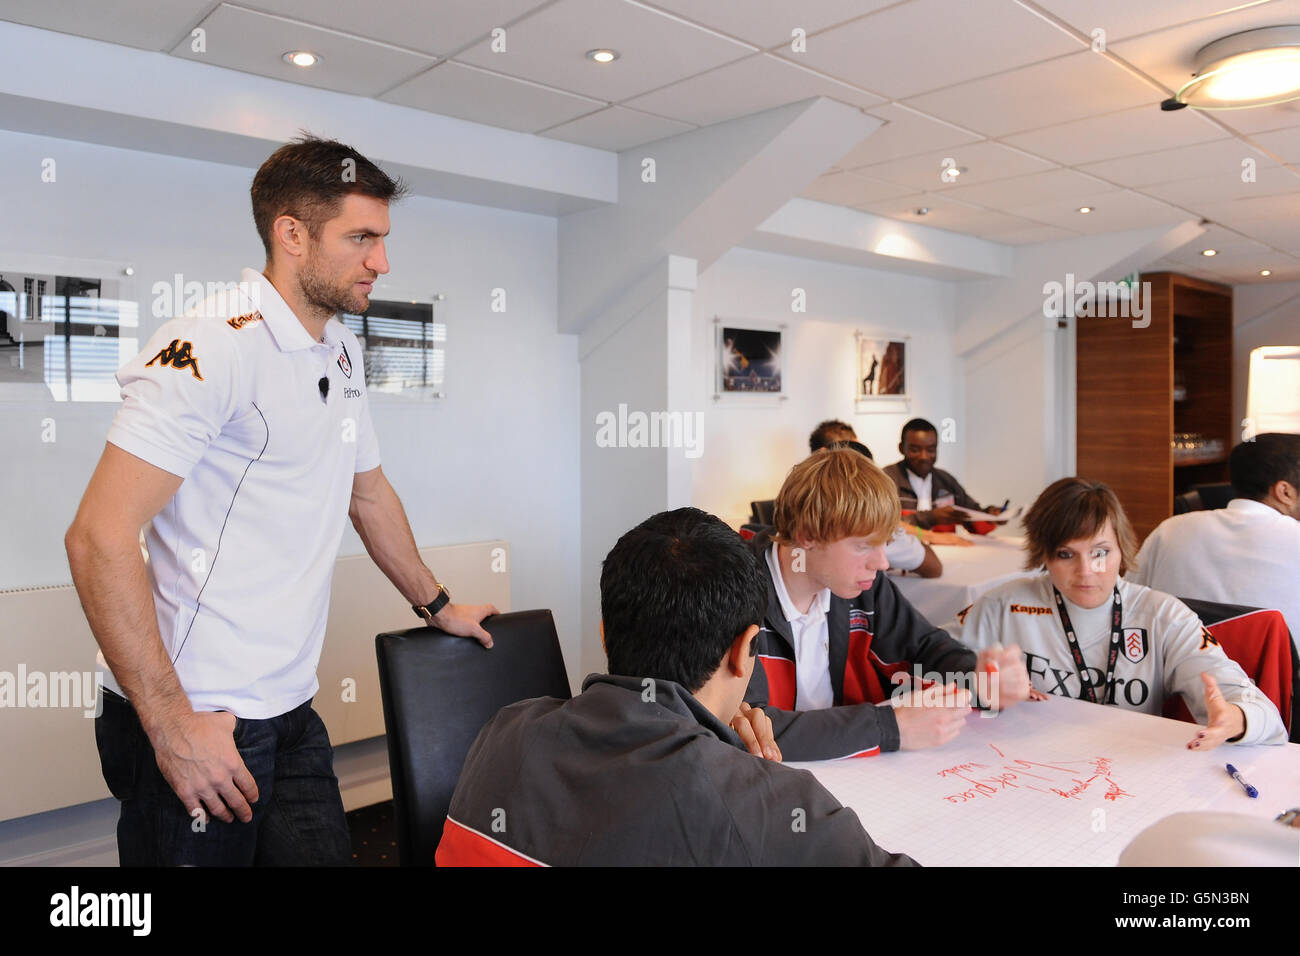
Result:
[1246,553]
[641,768]
[931,496]
[829,432]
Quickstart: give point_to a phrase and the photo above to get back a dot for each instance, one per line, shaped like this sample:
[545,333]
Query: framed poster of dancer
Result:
[882,368]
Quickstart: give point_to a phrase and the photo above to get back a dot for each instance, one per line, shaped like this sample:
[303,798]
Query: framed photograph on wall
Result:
[882,371]
[748,360]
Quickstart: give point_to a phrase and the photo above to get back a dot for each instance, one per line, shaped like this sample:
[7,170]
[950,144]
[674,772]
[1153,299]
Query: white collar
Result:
[1252,506]
[289,332]
[788,608]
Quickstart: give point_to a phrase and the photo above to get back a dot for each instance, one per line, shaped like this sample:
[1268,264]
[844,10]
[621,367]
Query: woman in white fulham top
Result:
[1089,634]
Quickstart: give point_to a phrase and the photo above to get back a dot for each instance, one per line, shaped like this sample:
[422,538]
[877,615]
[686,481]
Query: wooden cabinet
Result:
[1139,387]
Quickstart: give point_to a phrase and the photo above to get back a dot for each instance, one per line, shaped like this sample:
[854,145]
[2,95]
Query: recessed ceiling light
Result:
[923,211]
[602,56]
[301,58]
[1244,70]
[1209,252]
[1265,272]
[1085,209]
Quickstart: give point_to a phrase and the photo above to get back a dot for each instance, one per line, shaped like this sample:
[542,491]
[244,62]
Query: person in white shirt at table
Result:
[1088,633]
[1247,553]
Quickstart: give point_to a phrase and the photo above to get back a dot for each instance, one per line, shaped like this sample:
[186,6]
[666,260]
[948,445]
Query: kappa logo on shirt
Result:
[179,356]
[1135,644]
[239,321]
[345,361]
[1029,609]
[961,615]
[1207,639]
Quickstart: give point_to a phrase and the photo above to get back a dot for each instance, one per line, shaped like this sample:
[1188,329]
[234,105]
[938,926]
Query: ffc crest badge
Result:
[345,361]
[1136,644]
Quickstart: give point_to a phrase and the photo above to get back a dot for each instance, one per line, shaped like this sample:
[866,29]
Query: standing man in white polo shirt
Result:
[1247,553]
[243,439]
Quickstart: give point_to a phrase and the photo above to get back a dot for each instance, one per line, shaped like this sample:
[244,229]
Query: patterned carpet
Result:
[374,837]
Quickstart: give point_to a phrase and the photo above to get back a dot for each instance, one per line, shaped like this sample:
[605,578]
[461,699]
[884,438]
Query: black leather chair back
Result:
[760,512]
[1216,495]
[438,692]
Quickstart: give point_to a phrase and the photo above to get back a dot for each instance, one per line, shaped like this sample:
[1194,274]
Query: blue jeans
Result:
[298,818]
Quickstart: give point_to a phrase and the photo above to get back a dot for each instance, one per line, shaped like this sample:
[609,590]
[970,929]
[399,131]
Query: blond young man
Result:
[839,644]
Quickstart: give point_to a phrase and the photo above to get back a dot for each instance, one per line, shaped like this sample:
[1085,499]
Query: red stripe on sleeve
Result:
[462,846]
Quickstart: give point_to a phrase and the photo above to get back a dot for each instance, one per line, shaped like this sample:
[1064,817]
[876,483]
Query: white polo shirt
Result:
[1246,553]
[240,560]
[812,642]
[904,550]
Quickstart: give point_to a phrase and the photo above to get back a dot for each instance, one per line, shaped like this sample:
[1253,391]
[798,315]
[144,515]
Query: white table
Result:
[967,573]
[1073,784]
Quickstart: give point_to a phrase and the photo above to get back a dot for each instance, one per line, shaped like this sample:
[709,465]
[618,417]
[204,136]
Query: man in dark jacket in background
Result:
[931,497]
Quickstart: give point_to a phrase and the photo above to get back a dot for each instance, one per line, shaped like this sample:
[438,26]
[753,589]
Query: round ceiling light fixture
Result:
[602,55]
[1255,68]
[301,58]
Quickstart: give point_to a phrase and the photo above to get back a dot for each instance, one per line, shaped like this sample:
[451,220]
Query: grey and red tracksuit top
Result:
[638,772]
[872,637]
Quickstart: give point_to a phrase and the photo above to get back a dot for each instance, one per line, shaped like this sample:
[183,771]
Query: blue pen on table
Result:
[1236,775]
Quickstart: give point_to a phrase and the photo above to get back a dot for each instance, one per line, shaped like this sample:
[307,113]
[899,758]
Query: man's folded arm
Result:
[825,734]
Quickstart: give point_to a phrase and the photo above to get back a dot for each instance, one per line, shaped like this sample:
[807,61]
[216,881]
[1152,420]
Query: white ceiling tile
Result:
[1222,157]
[1169,55]
[1059,91]
[1270,219]
[1030,234]
[944,213]
[550,47]
[929,44]
[1029,190]
[905,133]
[1124,18]
[256,43]
[1282,142]
[983,162]
[1261,119]
[140,23]
[747,86]
[1194,193]
[438,27]
[453,89]
[768,23]
[852,189]
[1231,250]
[1114,212]
[1139,130]
[616,128]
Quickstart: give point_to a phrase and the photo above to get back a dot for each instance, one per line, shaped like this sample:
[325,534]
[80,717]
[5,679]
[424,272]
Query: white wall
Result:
[1264,314]
[497,458]
[1012,412]
[750,446]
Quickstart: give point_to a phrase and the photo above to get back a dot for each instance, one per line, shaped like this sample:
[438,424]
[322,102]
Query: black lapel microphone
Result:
[324,385]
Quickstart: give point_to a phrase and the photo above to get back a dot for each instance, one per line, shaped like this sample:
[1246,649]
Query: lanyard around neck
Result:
[1116,612]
